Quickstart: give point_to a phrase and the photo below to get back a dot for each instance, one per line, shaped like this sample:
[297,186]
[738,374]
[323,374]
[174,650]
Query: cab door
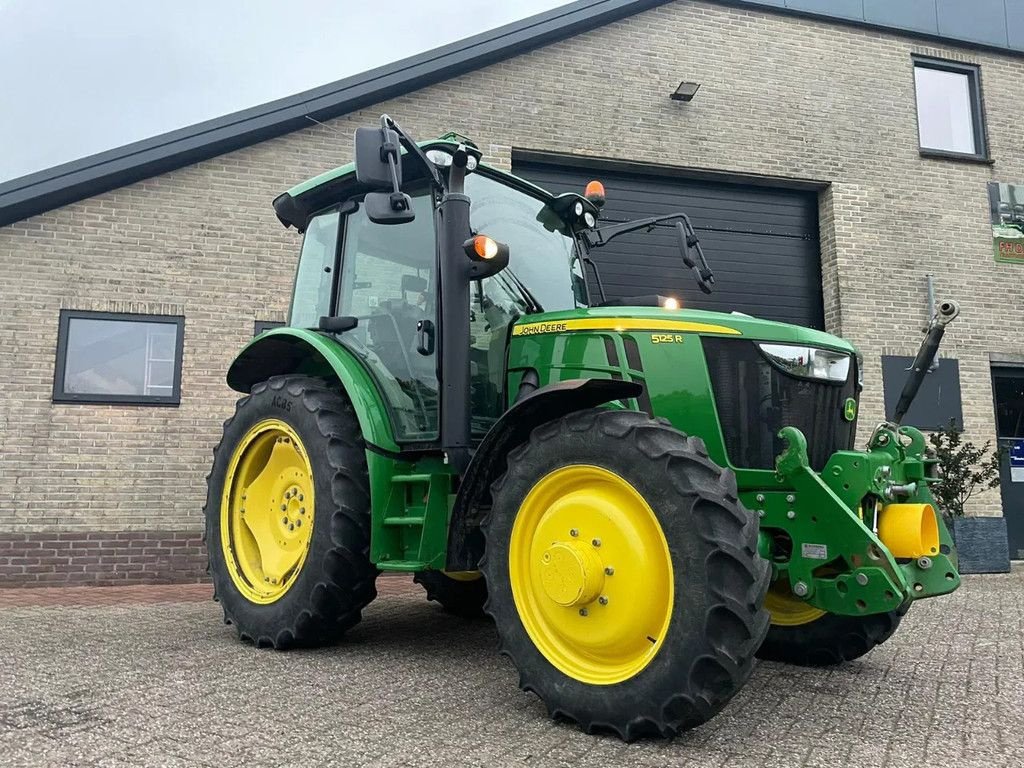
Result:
[388,280]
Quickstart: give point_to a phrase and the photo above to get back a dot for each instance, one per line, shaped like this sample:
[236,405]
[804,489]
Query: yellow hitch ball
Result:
[909,530]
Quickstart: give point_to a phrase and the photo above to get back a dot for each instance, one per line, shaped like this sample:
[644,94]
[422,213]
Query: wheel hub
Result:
[267,511]
[591,574]
[571,574]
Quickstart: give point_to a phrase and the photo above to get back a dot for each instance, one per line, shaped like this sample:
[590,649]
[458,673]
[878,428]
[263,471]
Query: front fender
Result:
[283,351]
[465,542]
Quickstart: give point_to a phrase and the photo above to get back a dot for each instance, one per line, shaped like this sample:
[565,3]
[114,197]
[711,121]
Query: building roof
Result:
[998,26]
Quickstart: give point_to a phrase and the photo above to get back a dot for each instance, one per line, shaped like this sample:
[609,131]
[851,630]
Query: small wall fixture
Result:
[685,92]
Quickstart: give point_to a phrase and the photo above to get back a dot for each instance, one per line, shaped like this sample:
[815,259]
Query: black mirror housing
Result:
[389,207]
[372,149]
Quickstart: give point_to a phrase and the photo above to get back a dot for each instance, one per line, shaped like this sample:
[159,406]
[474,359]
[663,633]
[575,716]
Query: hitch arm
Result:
[945,313]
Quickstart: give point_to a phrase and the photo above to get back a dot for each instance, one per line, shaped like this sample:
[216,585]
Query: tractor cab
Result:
[386,278]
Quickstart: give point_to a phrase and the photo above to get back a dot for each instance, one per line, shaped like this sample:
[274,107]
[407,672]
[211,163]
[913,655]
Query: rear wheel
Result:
[807,636]
[623,574]
[462,593]
[287,515]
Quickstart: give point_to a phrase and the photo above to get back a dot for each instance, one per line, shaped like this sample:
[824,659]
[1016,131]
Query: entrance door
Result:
[1008,388]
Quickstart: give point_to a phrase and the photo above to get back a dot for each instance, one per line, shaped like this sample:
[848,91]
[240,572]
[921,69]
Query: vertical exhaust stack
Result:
[945,313]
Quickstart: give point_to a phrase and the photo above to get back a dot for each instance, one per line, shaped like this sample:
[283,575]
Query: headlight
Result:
[443,159]
[808,362]
[439,157]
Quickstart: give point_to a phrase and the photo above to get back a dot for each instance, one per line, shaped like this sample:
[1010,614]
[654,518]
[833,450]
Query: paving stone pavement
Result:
[167,684]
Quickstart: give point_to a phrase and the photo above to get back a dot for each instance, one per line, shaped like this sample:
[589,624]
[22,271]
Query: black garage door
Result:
[761,242]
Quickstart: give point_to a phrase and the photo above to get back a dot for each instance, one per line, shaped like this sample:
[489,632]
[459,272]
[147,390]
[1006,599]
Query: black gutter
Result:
[79,179]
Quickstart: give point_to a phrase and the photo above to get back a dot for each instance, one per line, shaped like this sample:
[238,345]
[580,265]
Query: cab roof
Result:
[298,204]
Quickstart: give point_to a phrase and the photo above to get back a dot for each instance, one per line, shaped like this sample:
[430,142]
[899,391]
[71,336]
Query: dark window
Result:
[261,326]
[118,358]
[949,111]
[1008,384]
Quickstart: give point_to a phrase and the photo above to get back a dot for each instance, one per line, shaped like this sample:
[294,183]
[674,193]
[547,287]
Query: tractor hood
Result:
[655,319]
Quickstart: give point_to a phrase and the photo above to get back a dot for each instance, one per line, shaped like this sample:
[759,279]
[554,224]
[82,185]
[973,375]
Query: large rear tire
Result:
[288,515]
[623,574]
[805,636]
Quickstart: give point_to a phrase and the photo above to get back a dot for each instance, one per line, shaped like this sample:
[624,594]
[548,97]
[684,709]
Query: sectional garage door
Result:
[761,242]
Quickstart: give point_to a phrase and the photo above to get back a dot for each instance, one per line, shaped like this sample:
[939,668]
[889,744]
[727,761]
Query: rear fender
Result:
[465,541]
[284,351]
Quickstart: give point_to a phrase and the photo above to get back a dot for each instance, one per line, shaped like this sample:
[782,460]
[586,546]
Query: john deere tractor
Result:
[643,497]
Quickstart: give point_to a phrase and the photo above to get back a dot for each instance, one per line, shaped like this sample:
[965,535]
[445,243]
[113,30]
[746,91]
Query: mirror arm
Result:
[701,269]
[414,150]
[597,277]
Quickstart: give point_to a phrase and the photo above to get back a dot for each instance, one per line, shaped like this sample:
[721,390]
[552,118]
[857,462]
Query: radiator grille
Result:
[755,400]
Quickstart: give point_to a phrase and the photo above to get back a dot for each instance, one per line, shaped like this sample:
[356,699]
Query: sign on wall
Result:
[937,402]
[1017,461]
[1006,202]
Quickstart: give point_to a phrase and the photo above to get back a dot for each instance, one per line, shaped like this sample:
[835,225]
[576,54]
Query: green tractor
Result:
[643,497]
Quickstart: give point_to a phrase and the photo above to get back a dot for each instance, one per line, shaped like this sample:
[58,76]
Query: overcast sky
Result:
[81,76]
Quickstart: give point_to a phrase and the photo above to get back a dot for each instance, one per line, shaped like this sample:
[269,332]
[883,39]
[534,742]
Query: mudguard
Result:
[283,351]
[465,542]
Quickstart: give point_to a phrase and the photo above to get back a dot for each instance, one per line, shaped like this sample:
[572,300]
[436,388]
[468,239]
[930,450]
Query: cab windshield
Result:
[542,250]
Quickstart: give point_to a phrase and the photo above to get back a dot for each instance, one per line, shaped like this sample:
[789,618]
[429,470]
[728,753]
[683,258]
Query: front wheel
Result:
[462,593]
[806,636]
[623,574]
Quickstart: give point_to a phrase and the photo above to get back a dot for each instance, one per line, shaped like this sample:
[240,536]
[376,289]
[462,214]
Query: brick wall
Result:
[101,558]
[781,96]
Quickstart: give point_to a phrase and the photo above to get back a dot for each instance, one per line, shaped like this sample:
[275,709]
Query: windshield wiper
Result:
[532,305]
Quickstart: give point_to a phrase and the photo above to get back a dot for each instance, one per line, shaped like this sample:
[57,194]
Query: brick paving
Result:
[150,676]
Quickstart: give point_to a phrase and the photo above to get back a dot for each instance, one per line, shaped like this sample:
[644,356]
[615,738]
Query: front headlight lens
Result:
[808,362]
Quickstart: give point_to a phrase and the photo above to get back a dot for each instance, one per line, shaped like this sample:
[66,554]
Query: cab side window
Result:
[388,281]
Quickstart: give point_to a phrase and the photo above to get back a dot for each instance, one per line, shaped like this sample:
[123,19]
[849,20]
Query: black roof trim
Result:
[79,179]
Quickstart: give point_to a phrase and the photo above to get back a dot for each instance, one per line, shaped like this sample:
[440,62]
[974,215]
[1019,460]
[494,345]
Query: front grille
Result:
[755,400]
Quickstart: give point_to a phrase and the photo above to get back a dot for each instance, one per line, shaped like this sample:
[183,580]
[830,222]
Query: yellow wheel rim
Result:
[786,609]
[591,574]
[266,511]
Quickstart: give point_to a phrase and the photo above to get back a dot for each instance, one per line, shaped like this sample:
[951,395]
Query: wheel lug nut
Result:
[284,521]
[609,571]
[583,611]
[602,600]
[300,497]
[302,510]
[596,542]
[573,532]
[298,523]
[291,527]
[284,507]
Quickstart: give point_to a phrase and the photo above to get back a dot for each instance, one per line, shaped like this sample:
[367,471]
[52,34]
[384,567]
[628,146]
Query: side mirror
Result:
[373,148]
[388,207]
